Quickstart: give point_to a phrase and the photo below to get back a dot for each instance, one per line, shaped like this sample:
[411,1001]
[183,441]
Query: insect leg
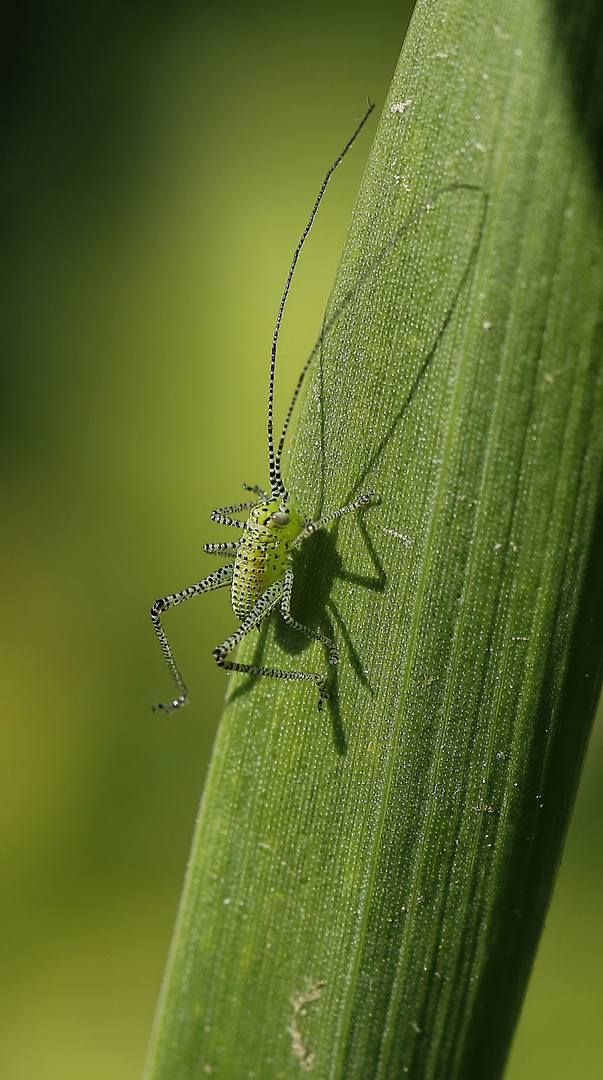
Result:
[287,616]
[217,580]
[225,551]
[258,491]
[223,519]
[321,523]
[267,602]
[235,508]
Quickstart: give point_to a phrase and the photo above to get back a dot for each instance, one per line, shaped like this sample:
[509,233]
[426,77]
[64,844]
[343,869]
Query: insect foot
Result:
[171,706]
[220,655]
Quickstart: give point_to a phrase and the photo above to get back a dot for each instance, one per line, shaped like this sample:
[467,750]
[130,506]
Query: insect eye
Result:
[281,517]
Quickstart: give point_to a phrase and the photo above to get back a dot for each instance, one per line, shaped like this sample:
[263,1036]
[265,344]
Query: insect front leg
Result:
[267,602]
[321,523]
[217,580]
[222,515]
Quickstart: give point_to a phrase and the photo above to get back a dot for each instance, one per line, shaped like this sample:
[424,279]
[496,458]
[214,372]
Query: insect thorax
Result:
[264,552]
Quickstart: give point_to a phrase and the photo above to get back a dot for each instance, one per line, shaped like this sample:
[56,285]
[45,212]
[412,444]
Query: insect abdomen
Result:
[257,566]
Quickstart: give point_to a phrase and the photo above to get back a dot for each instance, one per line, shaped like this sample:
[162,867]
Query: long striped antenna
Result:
[277,488]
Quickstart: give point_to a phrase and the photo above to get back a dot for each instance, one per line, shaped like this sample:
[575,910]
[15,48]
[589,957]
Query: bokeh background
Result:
[159,160]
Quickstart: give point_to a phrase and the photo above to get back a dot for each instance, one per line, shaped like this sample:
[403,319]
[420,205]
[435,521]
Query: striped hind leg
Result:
[267,603]
[217,580]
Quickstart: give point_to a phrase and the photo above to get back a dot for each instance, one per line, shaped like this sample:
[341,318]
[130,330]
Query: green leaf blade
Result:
[367,887]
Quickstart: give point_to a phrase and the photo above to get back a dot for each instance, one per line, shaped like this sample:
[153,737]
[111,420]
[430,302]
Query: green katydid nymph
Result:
[259,573]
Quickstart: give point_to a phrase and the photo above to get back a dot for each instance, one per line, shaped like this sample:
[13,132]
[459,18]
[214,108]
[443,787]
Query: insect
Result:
[260,574]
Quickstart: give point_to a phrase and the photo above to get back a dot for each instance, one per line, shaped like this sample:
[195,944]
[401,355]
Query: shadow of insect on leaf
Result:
[321,563]
[428,337]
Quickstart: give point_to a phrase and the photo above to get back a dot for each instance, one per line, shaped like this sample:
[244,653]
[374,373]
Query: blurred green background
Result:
[160,160]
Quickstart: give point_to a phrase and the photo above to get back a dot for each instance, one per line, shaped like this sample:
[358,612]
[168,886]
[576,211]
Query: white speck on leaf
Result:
[400,106]
[299,1000]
